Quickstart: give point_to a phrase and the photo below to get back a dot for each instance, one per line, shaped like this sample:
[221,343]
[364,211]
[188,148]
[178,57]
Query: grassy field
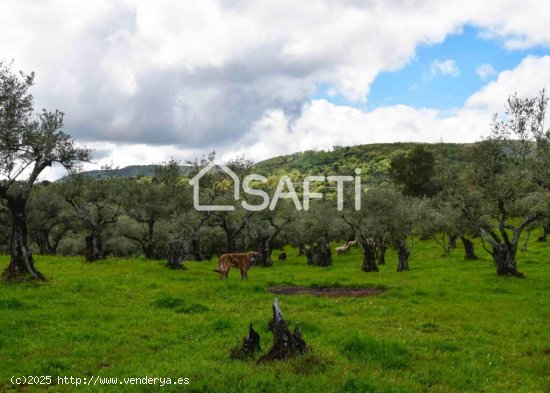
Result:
[445,326]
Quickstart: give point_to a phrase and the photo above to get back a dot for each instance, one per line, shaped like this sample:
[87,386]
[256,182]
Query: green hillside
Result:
[343,160]
[372,158]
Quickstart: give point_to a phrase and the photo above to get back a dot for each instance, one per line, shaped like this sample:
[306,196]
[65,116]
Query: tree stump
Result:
[251,344]
[174,254]
[285,344]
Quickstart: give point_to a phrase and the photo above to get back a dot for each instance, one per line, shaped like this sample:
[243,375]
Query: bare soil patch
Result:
[327,291]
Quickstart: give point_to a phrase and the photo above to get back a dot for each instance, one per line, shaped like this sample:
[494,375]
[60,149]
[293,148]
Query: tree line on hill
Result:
[495,190]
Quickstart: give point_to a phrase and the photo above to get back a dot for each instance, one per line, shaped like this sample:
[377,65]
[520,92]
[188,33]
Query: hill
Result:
[129,171]
[371,158]
[343,160]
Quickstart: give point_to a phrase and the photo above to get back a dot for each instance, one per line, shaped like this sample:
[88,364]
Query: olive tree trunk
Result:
[149,249]
[21,262]
[196,250]
[174,254]
[44,245]
[504,249]
[505,259]
[94,246]
[381,252]
[469,252]
[319,255]
[545,232]
[403,254]
[369,255]
[265,250]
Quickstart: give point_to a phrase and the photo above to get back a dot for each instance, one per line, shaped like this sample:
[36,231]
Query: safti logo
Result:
[284,183]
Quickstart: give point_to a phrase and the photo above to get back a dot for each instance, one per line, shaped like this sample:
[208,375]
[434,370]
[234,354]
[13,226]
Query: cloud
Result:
[206,75]
[323,125]
[527,79]
[445,67]
[485,71]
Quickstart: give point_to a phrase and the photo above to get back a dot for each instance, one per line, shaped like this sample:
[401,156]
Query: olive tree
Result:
[386,215]
[511,179]
[96,202]
[150,201]
[266,226]
[50,218]
[29,143]
[217,188]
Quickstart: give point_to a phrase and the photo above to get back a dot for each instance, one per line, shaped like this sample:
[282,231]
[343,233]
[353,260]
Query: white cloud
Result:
[485,71]
[445,67]
[527,79]
[323,124]
[206,75]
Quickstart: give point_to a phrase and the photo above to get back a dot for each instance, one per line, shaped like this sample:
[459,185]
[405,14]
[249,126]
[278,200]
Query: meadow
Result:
[445,326]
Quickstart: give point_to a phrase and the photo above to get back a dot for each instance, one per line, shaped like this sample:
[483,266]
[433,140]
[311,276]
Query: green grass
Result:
[445,326]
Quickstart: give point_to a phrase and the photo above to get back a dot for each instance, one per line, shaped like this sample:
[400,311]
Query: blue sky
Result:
[415,86]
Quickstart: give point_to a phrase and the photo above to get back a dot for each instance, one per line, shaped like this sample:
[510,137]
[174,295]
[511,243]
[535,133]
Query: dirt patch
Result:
[327,291]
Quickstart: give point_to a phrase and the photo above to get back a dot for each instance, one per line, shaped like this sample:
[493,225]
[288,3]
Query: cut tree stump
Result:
[174,254]
[251,344]
[286,345]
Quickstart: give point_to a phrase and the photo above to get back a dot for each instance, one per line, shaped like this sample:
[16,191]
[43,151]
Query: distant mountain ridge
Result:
[339,160]
[130,171]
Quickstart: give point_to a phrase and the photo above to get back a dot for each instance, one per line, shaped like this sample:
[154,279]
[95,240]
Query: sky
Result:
[141,82]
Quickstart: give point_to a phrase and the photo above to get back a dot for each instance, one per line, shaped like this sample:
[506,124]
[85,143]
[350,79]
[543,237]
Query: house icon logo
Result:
[195,182]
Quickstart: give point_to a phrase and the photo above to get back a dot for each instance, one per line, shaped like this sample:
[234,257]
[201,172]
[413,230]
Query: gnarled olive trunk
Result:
[452,242]
[22,262]
[44,246]
[545,232]
[403,254]
[174,254]
[265,250]
[196,249]
[381,252]
[505,259]
[504,248]
[369,255]
[49,242]
[231,242]
[319,255]
[149,248]
[94,246]
[469,252]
